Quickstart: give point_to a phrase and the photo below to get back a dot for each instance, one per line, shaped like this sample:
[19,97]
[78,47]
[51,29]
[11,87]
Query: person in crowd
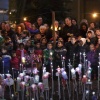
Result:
[71,49]
[74,22]
[83,30]
[3,28]
[12,35]
[39,54]
[69,29]
[48,32]
[6,58]
[91,57]
[18,30]
[90,37]
[48,56]
[39,22]
[42,30]
[59,53]
[43,43]
[82,46]
[37,37]
[92,26]
[25,36]
[15,64]
[21,52]
[9,44]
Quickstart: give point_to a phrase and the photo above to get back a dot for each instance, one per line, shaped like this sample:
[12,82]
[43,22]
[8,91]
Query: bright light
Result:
[94,15]
[10,13]
[25,19]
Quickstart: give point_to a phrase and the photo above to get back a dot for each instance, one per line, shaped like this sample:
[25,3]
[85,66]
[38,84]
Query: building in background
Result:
[4,7]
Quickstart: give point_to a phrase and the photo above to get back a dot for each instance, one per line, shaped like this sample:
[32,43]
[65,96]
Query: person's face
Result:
[84,27]
[98,41]
[39,21]
[19,29]
[89,35]
[97,32]
[49,46]
[21,47]
[38,36]
[33,27]
[92,47]
[74,22]
[23,35]
[3,25]
[42,30]
[59,44]
[44,41]
[38,45]
[73,40]
[67,21]
[4,51]
[14,55]
[7,27]
[56,24]
[28,43]
[92,25]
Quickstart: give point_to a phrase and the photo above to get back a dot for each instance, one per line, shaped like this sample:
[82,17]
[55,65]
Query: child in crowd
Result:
[15,64]
[43,43]
[39,53]
[21,52]
[59,53]
[6,58]
[91,56]
[48,56]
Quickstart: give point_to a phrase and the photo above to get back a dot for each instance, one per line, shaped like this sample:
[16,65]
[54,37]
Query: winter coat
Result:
[15,62]
[59,52]
[6,59]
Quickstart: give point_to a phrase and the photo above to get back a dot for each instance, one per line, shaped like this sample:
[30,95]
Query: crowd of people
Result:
[32,45]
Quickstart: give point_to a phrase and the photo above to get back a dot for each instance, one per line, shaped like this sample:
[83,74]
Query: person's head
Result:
[92,25]
[60,39]
[47,26]
[92,47]
[28,43]
[37,36]
[68,21]
[82,41]
[56,34]
[25,33]
[74,22]
[4,49]
[60,44]
[84,26]
[39,20]
[99,41]
[3,25]
[21,46]
[97,32]
[13,54]
[84,21]
[56,23]
[34,26]
[49,45]
[44,41]
[73,40]
[42,29]
[37,44]
[18,29]
[7,27]
[22,25]
[7,39]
